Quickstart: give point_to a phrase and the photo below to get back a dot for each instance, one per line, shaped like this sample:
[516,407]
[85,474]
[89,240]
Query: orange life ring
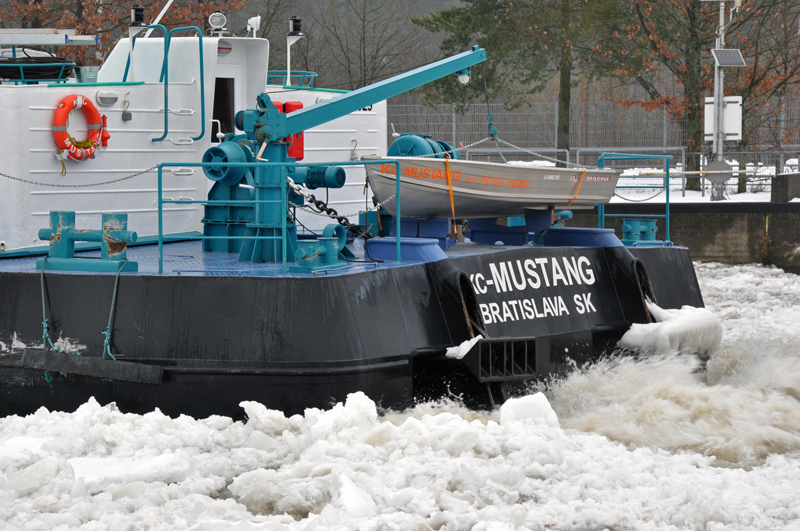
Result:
[60,134]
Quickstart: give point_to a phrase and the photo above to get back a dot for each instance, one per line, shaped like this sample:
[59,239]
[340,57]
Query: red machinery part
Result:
[296,148]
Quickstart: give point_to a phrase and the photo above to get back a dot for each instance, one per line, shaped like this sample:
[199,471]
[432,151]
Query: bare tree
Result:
[368,40]
[675,35]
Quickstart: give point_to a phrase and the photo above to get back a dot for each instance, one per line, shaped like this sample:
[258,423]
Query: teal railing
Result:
[164,77]
[601,163]
[60,78]
[284,201]
[299,78]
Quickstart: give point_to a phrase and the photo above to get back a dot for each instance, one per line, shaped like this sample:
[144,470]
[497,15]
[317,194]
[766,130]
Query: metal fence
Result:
[592,124]
[535,126]
[596,127]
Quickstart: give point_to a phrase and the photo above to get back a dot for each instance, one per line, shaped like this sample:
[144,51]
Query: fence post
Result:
[555,129]
[455,140]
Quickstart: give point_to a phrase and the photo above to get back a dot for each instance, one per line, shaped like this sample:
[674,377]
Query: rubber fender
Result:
[632,284]
[457,300]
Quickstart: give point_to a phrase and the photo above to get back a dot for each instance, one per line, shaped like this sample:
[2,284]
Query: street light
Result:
[722,59]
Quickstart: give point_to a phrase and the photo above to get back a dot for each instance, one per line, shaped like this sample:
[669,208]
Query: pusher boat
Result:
[248,305]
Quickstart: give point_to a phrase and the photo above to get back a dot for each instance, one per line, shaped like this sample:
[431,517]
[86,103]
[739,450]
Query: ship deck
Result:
[188,259]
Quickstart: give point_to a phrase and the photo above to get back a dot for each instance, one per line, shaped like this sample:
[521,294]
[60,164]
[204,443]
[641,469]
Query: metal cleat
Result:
[114,239]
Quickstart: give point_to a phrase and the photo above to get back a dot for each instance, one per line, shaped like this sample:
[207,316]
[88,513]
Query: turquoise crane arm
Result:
[280,125]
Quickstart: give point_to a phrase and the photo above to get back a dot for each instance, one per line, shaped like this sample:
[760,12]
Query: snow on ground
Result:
[650,182]
[647,195]
[624,444]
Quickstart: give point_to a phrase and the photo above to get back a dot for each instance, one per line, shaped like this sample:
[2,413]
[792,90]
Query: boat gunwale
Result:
[588,169]
[436,187]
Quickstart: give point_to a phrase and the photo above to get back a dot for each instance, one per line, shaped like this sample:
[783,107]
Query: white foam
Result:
[686,331]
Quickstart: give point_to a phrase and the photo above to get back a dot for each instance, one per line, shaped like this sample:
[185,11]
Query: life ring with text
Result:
[77,149]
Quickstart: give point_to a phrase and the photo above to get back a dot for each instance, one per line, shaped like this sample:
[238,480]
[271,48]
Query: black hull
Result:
[293,343]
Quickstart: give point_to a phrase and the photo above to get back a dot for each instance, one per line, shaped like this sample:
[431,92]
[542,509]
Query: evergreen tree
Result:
[527,43]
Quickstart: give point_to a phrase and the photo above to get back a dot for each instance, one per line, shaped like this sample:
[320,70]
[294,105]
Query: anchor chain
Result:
[322,214]
[323,207]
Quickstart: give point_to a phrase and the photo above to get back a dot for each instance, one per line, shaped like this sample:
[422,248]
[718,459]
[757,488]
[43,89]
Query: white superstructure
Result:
[235,71]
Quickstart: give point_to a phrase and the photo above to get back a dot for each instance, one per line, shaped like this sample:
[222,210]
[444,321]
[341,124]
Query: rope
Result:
[84,144]
[580,183]
[51,185]
[492,130]
[544,157]
[46,341]
[500,151]
[63,166]
[107,331]
[450,187]
[509,144]
[639,200]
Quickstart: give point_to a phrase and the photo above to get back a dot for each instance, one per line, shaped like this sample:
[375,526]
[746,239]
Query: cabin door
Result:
[227,98]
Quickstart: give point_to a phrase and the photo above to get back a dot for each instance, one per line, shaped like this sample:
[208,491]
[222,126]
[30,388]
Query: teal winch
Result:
[114,238]
[255,229]
[247,210]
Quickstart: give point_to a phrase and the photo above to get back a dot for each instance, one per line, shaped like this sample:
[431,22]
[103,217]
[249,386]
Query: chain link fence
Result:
[592,124]
[605,126]
[535,126]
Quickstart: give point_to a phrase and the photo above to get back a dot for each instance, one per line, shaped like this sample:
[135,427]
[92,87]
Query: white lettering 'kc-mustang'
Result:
[516,277]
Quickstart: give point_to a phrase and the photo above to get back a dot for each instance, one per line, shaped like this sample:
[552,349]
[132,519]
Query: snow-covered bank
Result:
[626,445]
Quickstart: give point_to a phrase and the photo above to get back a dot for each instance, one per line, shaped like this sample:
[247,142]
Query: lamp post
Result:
[294,35]
[722,58]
